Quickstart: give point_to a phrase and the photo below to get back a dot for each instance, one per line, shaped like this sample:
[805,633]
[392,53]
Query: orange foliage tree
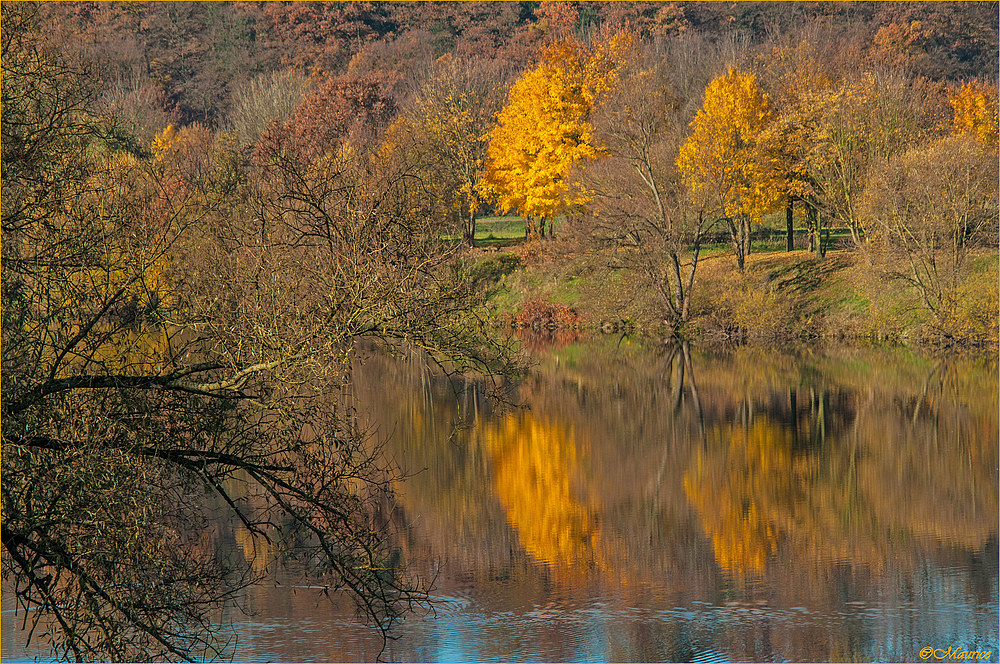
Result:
[976,112]
[726,161]
[798,80]
[544,130]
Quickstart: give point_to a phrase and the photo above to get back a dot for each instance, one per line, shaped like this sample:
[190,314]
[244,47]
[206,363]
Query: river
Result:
[642,502]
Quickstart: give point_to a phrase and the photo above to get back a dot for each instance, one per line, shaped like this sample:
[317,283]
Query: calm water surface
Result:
[650,504]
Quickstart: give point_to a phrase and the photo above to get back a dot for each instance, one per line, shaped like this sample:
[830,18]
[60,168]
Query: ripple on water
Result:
[709,656]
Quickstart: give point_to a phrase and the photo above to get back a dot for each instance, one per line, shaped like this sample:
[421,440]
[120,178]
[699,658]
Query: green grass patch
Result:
[499,228]
[566,292]
[499,231]
[506,231]
[987,263]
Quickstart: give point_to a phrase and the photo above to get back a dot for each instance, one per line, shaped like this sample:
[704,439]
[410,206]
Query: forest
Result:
[208,207]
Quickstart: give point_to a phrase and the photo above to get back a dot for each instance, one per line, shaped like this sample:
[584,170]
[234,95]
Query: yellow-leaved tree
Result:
[726,161]
[976,112]
[801,85]
[544,130]
[831,139]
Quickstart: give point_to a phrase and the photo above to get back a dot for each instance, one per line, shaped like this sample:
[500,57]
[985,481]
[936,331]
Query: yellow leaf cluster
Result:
[138,349]
[126,264]
[173,145]
[726,161]
[163,141]
[976,112]
[455,123]
[543,131]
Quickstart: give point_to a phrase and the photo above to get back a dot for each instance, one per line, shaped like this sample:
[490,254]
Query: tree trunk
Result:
[470,229]
[541,227]
[686,303]
[789,228]
[818,230]
[856,231]
[739,233]
[745,225]
[811,227]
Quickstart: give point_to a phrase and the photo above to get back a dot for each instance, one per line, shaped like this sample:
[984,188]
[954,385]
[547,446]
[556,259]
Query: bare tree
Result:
[264,99]
[926,208]
[640,208]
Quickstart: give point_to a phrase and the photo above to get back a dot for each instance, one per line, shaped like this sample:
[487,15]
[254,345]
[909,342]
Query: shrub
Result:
[968,315]
[747,306]
[493,268]
[538,313]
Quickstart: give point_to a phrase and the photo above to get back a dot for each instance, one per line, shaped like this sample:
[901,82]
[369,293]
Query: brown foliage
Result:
[341,107]
[408,55]
[937,39]
[558,18]
[318,36]
[647,19]
[924,211]
[538,313]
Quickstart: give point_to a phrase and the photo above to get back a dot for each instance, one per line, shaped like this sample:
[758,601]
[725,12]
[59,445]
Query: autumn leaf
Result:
[976,112]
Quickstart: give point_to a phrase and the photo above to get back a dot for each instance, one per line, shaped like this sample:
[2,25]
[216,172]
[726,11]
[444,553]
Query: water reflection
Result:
[534,465]
[735,483]
[744,505]
[655,503]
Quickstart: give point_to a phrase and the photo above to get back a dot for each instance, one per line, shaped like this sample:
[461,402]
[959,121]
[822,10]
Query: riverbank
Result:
[782,296]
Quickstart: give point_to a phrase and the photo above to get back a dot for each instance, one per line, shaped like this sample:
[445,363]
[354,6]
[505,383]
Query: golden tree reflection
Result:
[535,463]
[258,551]
[737,489]
[773,469]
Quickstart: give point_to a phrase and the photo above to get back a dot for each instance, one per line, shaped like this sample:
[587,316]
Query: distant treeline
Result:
[191,60]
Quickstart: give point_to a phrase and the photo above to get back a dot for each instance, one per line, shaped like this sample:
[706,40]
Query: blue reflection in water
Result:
[471,627]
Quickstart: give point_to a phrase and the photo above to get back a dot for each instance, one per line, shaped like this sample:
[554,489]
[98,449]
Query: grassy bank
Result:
[782,295]
[500,232]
